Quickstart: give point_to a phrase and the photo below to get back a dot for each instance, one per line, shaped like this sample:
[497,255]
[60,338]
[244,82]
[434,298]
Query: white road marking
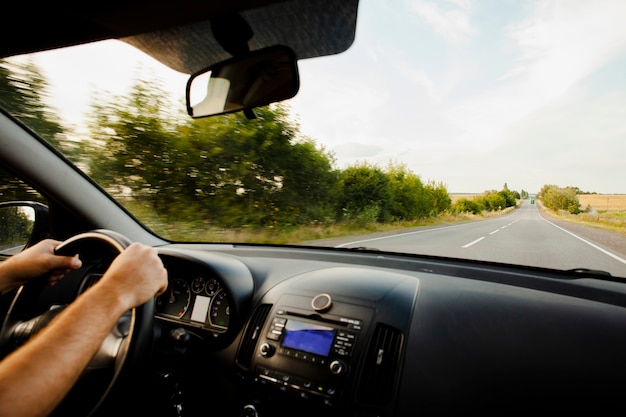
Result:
[471,243]
[604,251]
[401,234]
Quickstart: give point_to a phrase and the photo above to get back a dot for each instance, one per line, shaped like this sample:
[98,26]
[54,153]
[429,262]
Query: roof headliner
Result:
[181,36]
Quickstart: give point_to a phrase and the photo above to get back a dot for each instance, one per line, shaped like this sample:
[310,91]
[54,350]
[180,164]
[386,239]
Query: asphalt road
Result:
[526,236]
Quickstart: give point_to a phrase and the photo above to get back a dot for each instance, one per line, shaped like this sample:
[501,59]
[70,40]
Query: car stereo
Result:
[310,356]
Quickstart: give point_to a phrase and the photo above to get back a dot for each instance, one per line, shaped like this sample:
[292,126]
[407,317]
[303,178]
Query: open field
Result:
[609,212]
[599,202]
[603,202]
[454,197]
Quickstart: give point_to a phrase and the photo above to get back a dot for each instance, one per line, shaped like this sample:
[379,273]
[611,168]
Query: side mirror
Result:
[22,223]
[253,80]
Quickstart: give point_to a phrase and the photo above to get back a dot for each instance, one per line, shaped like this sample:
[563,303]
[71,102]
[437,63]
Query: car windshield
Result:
[490,131]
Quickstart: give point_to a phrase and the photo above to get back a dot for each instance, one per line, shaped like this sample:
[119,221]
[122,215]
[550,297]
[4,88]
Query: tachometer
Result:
[175,300]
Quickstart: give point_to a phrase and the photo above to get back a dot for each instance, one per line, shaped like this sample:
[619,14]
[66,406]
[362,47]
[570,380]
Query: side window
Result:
[12,188]
[16,222]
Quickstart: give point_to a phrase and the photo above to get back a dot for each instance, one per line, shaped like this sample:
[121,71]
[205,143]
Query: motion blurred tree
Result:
[262,170]
[228,170]
[23,90]
[136,152]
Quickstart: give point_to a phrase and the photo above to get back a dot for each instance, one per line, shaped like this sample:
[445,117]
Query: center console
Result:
[310,347]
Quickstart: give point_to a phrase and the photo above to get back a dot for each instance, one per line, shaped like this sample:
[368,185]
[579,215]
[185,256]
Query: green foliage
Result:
[261,171]
[22,92]
[394,194]
[13,188]
[439,197]
[488,201]
[409,199]
[557,198]
[363,187]
[494,202]
[15,226]
[227,171]
[464,205]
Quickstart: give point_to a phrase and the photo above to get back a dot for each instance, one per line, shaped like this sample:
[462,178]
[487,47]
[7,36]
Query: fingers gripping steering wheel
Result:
[35,304]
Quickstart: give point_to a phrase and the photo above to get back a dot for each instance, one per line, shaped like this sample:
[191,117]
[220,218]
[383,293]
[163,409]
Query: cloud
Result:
[562,43]
[559,45]
[453,22]
[357,150]
[463,114]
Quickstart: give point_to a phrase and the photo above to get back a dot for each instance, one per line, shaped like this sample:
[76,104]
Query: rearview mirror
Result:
[256,79]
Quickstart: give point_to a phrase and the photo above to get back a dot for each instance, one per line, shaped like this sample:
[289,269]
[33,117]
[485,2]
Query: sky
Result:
[469,93]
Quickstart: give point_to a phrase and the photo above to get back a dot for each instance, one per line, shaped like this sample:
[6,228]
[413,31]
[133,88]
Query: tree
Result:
[228,170]
[495,201]
[556,198]
[510,198]
[262,170]
[23,89]
[16,226]
[439,197]
[365,193]
[409,199]
[135,154]
[465,205]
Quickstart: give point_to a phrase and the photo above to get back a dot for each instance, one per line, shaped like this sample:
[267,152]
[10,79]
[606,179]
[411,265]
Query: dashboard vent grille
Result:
[251,335]
[381,364]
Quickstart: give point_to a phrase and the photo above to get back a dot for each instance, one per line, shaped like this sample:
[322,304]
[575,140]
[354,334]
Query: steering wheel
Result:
[36,303]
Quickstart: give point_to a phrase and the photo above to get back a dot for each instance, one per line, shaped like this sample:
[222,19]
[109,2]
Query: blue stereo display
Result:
[308,337]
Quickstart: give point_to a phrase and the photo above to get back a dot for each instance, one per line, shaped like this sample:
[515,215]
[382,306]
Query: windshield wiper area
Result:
[592,273]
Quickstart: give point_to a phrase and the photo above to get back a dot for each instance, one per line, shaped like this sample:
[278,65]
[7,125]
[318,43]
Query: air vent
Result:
[251,335]
[381,365]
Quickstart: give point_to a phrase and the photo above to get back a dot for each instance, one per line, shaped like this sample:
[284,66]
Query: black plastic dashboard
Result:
[313,331]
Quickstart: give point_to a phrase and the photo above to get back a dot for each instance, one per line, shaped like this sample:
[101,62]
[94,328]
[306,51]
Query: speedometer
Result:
[175,300]
[220,310]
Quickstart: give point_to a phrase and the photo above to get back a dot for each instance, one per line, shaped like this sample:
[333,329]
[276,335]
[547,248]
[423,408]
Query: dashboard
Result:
[197,300]
[270,330]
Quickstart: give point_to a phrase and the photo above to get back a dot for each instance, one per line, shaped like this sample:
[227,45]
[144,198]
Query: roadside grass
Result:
[204,231]
[603,211]
[614,221]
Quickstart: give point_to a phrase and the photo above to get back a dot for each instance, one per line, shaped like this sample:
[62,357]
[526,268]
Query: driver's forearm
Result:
[35,378]
[6,277]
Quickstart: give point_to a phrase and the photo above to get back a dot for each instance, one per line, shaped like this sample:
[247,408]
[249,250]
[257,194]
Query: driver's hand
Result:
[136,275]
[35,261]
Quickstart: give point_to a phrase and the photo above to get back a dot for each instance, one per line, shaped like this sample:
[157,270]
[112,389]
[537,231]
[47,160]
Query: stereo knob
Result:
[267,350]
[249,411]
[321,302]
[338,367]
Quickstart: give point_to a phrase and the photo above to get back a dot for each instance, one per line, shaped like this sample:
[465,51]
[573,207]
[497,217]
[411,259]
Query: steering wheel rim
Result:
[126,343]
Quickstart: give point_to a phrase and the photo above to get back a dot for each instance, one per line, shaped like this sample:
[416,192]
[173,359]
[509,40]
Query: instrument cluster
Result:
[199,300]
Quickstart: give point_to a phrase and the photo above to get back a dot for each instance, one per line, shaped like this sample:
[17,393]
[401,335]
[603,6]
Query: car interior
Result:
[291,330]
